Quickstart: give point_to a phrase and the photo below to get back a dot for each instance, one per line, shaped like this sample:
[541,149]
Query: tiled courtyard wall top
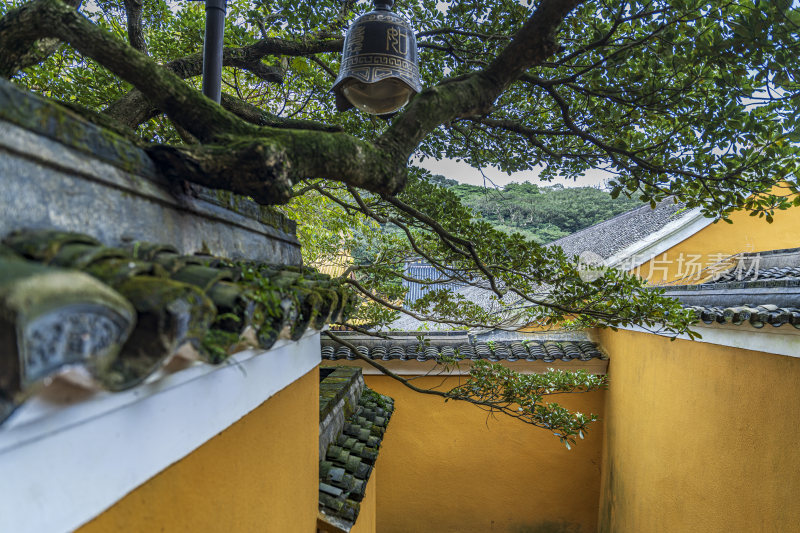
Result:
[60,171]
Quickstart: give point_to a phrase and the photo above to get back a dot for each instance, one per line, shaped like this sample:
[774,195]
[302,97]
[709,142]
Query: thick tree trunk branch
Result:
[260,172]
[51,18]
[133,12]
[532,44]
[134,109]
[267,159]
[267,165]
[246,57]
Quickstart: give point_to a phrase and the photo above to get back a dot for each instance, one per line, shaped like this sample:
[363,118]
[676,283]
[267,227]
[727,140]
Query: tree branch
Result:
[474,94]
[133,12]
[134,108]
[448,238]
[27,53]
[259,117]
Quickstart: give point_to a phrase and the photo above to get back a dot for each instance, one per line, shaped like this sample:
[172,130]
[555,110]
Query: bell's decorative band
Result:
[375,67]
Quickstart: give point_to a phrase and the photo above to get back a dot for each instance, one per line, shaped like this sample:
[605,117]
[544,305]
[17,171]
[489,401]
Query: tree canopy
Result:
[676,99]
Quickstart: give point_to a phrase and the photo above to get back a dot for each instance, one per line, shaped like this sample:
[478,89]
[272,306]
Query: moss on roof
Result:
[208,302]
[348,463]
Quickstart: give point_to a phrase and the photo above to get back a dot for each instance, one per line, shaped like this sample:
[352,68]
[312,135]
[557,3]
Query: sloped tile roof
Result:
[614,235]
[772,265]
[424,271]
[345,469]
[774,273]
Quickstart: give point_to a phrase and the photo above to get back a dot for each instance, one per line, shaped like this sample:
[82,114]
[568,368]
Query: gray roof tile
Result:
[757,316]
[774,273]
[529,350]
[424,271]
[614,235]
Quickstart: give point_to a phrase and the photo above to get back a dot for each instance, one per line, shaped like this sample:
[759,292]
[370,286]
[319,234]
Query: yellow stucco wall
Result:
[699,437]
[746,234]
[261,475]
[446,467]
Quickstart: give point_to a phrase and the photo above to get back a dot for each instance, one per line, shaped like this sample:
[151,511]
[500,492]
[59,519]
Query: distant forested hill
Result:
[541,213]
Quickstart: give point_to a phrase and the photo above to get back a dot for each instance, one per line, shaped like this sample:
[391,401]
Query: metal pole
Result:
[212,48]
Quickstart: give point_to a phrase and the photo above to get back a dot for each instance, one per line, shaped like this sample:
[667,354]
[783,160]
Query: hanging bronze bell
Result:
[379,72]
